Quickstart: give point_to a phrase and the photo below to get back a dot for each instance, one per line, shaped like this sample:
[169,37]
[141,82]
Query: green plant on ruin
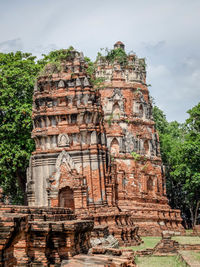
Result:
[97,82]
[50,68]
[135,155]
[112,158]
[52,62]
[91,67]
[110,119]
[142,63]
[113,55]
[118,55]
[58,55]
[99,55]
[138,90]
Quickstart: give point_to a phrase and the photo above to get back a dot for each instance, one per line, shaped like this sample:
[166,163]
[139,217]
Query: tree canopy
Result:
[17,76]
[180,150]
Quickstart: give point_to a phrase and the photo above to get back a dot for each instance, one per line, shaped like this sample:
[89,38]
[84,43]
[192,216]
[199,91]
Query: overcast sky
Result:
[166,33]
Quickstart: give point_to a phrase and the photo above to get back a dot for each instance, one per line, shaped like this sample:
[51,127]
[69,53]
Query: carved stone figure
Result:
[61,84]
[63,140]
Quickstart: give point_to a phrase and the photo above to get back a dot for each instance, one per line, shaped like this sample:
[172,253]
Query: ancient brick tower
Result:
[131,136]
[97,151]
[133,142]
[68,167]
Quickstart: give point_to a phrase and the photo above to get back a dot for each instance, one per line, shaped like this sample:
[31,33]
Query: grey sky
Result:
[165,32]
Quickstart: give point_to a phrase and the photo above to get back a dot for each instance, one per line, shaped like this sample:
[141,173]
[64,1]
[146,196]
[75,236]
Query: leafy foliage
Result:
[117,54]
[57,56]
[135,155]
[51,63]
[91,68]
[180,150]
[17,77]
[18,72]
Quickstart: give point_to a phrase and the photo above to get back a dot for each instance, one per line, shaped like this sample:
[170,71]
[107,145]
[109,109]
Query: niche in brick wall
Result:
[114,147]
[66,198]
[149,184]
[146,146]
[116,111]
[141,111]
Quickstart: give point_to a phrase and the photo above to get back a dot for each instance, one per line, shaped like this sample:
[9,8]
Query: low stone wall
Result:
[152,222]
[189,247]
[166,246]
[119,224]
[103,257]
[39,237]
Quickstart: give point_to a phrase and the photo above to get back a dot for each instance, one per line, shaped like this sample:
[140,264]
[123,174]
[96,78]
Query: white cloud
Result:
[11,45]
[165,32]
[159,71]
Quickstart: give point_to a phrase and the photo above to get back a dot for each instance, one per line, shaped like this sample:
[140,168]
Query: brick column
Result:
[39,232]
[20,250]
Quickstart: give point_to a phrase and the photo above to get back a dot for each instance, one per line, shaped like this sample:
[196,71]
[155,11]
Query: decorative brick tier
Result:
[120,225]
[152,221]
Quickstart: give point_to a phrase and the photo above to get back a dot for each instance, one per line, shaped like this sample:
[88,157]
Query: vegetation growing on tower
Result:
[52,62]
[118,55]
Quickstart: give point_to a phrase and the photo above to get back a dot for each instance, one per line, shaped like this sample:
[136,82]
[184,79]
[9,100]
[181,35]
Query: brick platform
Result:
[41,236]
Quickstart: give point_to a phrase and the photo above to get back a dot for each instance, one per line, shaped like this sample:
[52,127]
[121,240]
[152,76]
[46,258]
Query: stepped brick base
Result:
[153,221]
[41,236]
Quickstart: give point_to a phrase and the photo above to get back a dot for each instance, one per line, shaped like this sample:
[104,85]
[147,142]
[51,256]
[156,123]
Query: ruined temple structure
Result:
[97,150]
[41,236]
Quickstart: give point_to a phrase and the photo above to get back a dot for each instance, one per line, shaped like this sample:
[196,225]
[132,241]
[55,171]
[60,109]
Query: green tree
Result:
[180,151]
[188,169]
[160,120]
[18,73]
[17,76]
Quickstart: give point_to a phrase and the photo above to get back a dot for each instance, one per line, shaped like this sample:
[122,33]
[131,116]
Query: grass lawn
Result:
[158,261]
[196,255]
[188,232]
[190,240]
[149,242]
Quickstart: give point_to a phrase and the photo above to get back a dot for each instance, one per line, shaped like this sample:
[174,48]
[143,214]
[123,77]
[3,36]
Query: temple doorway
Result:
[66,198]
